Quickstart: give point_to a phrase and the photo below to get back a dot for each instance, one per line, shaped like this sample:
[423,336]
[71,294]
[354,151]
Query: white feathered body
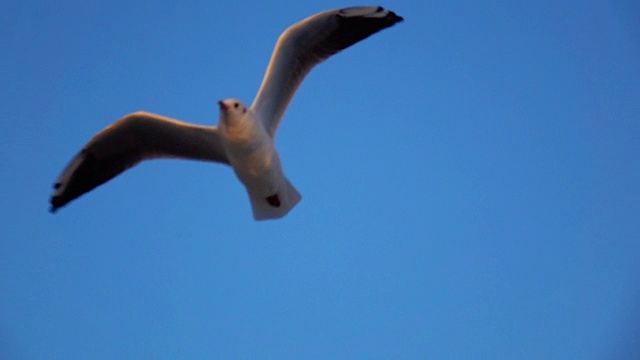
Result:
[254,158]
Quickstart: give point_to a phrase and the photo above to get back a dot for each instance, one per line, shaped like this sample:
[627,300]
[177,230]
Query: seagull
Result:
[244,136]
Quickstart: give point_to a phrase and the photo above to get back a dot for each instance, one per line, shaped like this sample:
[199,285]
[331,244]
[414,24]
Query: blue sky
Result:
[470,183]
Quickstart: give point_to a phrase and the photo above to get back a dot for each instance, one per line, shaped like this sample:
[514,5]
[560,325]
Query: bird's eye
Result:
[236,105]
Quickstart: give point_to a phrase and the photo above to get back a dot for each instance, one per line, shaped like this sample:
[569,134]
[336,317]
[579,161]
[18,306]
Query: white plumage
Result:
[244,137]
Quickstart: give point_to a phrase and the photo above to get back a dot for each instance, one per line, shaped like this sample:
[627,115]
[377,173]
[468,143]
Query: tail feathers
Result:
[275,206]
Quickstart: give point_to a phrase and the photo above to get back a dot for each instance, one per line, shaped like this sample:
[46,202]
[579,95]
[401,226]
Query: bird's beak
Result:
[223,106]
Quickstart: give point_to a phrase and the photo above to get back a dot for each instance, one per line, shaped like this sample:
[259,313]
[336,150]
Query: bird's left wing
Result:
[307,43]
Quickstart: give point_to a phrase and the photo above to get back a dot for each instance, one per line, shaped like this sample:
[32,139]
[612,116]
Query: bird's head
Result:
[231,109]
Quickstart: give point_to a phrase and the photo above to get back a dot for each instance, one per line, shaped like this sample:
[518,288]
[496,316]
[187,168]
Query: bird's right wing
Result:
[136,137]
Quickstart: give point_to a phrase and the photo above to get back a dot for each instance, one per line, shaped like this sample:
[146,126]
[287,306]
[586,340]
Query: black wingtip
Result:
[55,204]
[392,17]
[396,18]
[55,200]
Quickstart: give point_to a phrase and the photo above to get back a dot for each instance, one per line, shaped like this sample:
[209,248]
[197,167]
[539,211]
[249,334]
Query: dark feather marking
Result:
[274,200]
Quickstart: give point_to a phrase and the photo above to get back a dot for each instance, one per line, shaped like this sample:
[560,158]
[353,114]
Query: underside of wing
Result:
[123,144]
[307,43]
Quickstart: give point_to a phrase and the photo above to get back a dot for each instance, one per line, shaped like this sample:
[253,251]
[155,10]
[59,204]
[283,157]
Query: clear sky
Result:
[470,182]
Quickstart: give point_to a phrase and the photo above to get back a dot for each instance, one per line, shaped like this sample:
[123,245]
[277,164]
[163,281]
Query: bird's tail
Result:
[275,205]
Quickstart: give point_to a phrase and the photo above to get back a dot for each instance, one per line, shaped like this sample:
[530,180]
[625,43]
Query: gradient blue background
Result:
[470,182]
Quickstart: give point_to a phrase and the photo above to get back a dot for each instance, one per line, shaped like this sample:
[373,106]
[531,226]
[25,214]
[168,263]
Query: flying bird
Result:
[244,136]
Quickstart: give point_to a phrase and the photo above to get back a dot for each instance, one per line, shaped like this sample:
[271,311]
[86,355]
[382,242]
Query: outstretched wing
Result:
[307,43]
[136,137]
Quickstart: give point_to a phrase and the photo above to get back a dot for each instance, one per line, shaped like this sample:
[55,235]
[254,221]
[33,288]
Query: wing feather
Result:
[307,43]
[136,137]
